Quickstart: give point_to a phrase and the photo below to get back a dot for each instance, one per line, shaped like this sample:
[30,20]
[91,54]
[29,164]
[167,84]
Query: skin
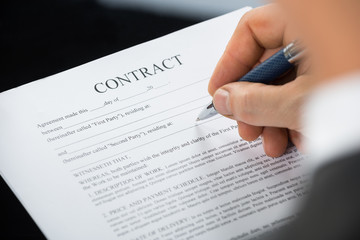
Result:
[274,111]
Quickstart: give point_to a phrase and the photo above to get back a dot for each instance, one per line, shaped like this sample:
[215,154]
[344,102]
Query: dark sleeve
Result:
[332,210]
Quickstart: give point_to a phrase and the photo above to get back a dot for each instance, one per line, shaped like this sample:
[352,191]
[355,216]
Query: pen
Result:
[269,70]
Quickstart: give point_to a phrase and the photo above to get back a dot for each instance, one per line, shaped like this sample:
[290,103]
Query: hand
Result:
[272,111]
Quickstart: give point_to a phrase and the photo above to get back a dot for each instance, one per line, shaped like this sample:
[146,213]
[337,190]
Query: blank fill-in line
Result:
[134,96]
[130,123]
[162,85]
[162,120]
[97,108]
[120,101]
[135,104]
[131,149]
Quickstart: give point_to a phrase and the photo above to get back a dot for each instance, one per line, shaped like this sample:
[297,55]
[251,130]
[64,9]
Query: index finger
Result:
[259,29]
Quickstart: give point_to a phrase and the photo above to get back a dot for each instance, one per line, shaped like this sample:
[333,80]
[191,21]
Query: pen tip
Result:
[198,119]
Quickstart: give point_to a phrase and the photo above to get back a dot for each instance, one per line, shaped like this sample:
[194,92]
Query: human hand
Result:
[272,111]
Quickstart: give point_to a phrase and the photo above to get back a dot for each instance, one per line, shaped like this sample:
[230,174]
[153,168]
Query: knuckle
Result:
[242,104]
[254,15]
[246,16]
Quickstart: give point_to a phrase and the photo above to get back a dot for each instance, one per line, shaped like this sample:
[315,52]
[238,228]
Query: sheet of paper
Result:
[111,149]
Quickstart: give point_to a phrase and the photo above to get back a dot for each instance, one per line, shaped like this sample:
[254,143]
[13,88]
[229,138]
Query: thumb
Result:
[258,104]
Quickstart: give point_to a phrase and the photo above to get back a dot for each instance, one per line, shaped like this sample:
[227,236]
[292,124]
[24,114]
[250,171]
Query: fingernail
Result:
[221,102]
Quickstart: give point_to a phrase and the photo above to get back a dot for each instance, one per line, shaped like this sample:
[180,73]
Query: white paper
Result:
[130,162]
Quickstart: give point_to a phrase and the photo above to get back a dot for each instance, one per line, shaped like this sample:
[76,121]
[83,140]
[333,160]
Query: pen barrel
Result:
[269,70]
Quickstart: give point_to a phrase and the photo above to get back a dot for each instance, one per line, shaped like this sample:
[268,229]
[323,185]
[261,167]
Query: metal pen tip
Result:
[198,119]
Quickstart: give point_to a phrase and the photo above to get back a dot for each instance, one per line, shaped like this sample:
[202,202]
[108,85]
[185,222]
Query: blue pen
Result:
[269,70]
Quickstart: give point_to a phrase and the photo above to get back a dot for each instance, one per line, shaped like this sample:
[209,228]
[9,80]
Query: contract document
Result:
[111,149]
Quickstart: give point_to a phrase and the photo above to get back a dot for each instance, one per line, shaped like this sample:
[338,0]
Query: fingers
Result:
[297,139]
[252,103]
[275,141]
[256,105]
[248,132]
[264,105]
[258,36]
[260,29]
